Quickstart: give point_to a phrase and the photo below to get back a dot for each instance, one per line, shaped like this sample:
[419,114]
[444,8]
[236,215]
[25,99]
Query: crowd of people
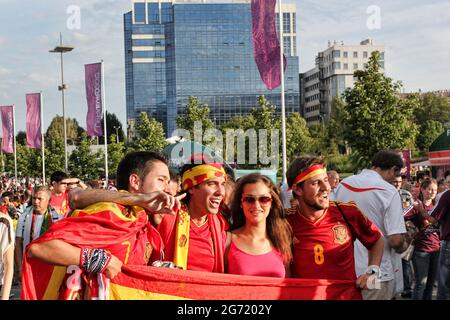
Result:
[373,228]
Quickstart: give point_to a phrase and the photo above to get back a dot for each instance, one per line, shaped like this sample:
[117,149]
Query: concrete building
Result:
[333,74]
[175,49]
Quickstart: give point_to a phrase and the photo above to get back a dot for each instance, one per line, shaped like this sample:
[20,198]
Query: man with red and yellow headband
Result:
[324,232]
[195,238]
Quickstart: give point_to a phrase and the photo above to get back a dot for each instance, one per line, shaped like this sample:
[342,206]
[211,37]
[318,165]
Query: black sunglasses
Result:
[263,200]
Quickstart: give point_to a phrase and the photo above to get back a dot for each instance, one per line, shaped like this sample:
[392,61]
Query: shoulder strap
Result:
[227,249]
[346,220]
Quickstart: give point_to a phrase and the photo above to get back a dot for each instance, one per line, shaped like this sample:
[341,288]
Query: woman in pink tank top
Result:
[259,243]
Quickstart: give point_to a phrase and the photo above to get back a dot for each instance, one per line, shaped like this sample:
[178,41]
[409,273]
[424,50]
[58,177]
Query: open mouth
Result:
[215,202]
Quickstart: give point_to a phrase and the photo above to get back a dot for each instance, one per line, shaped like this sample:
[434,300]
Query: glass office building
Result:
[177,49]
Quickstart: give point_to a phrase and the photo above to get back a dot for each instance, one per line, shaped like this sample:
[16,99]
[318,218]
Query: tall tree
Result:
[377,118]
[298,137]
[21,138]
[113,126]
[149,134]
[83,163]
[429,131]
[432,107]
[115,154]
[54,155]
[56,129]
[195,113]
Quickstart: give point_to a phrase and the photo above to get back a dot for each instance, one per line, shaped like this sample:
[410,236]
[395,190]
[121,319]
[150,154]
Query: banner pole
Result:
[15,145]
[283,107]
[42,140]
[104,124]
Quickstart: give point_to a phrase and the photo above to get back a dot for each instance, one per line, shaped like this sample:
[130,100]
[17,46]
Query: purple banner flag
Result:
[266,45]
[8,129]
[34,120]
[93,79]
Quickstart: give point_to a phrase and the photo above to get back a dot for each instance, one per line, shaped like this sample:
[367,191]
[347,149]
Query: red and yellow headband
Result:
[312,171]
[200,174]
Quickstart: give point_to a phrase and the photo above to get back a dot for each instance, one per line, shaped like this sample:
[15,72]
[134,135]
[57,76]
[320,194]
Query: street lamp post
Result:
[117,133]
[61,50]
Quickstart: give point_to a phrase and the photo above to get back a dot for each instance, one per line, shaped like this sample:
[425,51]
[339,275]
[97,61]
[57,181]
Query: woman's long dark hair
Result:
[278,230]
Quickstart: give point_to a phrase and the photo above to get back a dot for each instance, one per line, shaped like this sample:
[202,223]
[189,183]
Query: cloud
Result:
[42,80]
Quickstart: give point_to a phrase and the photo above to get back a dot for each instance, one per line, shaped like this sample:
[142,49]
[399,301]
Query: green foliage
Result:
[195,113]
[298,137]
[54,155]
[21,138]
[429,131]
[115,154]
[113,127]
[83,163]
[150,134]
[340,163]
[431,107]
[56,130]
[377,118]
[261,118]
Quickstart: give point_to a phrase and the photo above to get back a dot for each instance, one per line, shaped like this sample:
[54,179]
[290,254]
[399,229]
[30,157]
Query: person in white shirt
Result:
[380,201]
[34,222]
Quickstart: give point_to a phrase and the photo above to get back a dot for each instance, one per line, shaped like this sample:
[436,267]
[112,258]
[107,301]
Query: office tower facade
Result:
[175,49]
[333,74]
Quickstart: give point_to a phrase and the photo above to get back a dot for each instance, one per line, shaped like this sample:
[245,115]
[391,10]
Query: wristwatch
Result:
[373,270]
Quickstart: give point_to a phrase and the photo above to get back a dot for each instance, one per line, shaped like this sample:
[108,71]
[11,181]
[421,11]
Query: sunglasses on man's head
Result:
[263,200]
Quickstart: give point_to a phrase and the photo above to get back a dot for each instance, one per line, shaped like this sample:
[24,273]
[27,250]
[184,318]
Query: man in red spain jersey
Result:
[324,232]
[102,237]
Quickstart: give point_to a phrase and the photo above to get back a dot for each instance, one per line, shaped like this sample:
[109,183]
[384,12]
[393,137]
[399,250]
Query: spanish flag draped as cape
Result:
[102,225]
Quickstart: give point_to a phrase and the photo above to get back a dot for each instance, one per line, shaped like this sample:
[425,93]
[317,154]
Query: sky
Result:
[415,33]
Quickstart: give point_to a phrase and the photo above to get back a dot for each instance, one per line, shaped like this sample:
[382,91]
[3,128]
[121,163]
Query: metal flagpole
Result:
[42,140]
[14,135]
[283,115]
[104,123]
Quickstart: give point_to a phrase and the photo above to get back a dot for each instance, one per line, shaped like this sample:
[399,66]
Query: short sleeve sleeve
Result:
[362,227]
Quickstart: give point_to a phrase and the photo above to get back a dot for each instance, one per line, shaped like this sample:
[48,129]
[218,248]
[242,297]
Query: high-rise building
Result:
[333,74]
[175,49]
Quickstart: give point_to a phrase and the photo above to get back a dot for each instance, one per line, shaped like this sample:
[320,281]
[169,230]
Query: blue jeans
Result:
[425,267]
[407,276]
[444,272]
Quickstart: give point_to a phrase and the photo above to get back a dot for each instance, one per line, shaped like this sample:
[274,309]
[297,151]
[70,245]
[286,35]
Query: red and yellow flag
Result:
[151,283]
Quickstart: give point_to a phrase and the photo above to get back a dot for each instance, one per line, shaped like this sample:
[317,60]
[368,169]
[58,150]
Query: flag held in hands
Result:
[34,135]
[8,129]
[266,45]
[93,81]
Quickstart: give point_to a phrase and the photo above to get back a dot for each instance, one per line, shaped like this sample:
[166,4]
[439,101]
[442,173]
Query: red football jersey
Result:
[324,249]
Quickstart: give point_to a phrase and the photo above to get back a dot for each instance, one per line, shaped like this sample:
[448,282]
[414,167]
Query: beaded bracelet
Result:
[94,260]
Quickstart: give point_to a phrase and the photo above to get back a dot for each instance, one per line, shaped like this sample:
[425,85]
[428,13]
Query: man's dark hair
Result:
[301,164]
[174,176]
[58,176]
[138,162]
[386,159]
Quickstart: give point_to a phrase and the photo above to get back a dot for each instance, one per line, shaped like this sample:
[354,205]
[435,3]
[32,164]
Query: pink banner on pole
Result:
[93,81]
[266,45]
[8,129]
[34,120]
[406,155]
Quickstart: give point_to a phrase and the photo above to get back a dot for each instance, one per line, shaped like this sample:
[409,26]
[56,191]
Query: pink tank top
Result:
[265,265]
